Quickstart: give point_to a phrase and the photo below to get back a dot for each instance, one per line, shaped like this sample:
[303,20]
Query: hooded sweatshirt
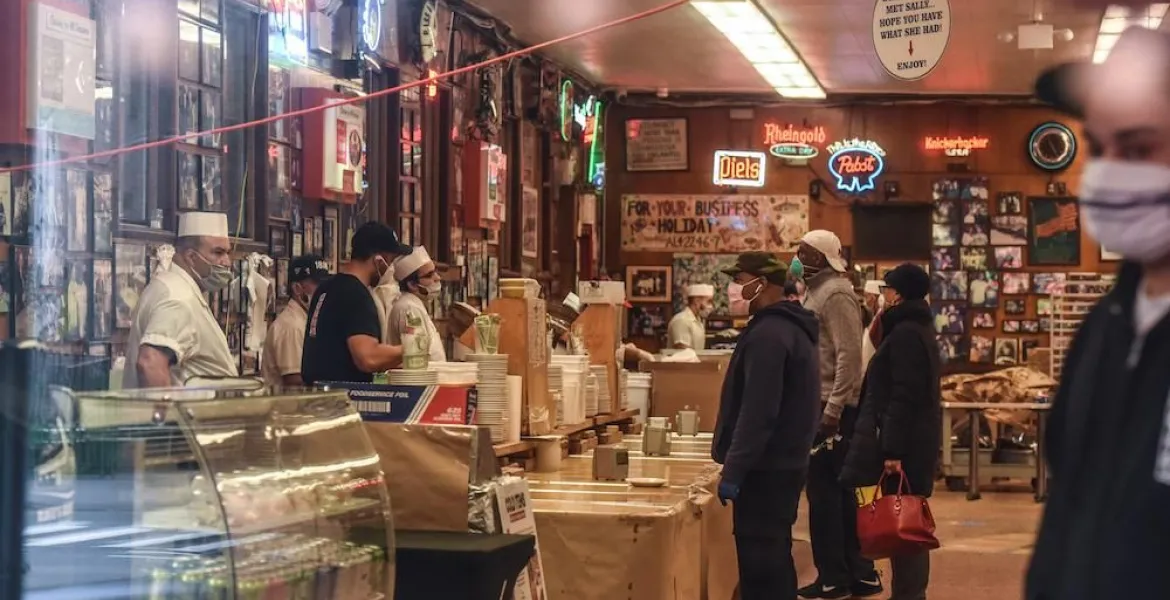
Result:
[770,405]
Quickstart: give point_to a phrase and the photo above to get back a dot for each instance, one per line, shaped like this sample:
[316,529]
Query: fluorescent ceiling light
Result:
[754,35]
[1119,18]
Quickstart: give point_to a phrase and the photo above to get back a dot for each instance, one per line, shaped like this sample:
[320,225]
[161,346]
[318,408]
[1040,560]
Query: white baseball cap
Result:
[208,224]
[701,290]
[826,242]
[874,286]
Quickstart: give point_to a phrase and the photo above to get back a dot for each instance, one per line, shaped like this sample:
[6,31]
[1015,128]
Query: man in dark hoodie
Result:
[768,414]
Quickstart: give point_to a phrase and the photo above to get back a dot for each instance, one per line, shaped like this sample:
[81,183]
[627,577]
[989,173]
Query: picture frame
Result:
[77,299]
[952,348]
[130,278]
[1027,347]
[983,320]
[1009,257]
[1054,231]
[212,184]
[973,259]
[1012,325]
[944,258]
[278,241]
[530,222]
[1009,203]
[657,134]
[1009,230]
[948,285]
[103,213]
[648,320]
[1007,351]
[77,188]
[983,289]
[102,292]
[189,175]
[949,318]
[1014,306]
[281,272]
[1030,326]
[982,349]
[649,283]
[1015,284]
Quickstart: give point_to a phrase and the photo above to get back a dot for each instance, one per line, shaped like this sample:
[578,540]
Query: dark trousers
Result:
[763,516]
[832,514]
[911,574]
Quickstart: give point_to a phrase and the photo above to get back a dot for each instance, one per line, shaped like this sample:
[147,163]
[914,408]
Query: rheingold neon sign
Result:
[856,164]
[956,146]
[739,168]
[793,143]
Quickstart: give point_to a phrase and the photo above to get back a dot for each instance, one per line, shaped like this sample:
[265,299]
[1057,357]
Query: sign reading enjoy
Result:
[856,164]
[910,36]
[713,223]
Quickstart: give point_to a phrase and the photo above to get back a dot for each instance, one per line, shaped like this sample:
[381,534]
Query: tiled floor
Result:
[985,546]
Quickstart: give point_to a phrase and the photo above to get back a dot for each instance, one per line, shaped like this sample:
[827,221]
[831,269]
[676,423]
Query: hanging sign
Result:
[956,146]
[739,168]
[61,72]
[909,36]
[856,164]
[565,112]
[428,27]
[713,223]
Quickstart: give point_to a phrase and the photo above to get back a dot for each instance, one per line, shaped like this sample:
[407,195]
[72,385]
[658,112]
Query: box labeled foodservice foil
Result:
[410,404]
[514,505]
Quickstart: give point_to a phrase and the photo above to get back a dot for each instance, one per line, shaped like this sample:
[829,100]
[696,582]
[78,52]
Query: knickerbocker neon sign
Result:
[956,146]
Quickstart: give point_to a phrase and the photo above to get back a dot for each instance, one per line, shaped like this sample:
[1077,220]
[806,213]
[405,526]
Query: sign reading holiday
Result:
[856,164]
[713,223]
[956,146]
[739,168]
[910,36]
[793,143]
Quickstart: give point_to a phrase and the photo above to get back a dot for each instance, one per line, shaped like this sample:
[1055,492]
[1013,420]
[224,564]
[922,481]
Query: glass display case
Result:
[210,494]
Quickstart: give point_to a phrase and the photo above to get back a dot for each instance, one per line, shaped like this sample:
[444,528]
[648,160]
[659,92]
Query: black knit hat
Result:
[909,280]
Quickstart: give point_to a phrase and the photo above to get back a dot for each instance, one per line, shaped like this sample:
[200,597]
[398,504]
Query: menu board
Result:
[656,145]
[713,223]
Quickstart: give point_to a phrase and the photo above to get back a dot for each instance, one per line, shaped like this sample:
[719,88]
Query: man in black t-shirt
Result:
[342,338]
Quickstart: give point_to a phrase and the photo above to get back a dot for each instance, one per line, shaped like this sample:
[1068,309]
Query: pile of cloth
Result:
[1010,385]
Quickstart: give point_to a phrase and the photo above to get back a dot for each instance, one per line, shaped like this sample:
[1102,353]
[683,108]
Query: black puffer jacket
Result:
[901,414]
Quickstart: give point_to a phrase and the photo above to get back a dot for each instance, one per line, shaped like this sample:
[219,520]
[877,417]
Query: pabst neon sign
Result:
[856,164]
[793,143]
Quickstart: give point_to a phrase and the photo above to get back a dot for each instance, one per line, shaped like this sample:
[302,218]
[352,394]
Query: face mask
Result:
[217,277]
[385,274]
[796,269]
[705,311]
[1127,207]
[739,304]
[433,287]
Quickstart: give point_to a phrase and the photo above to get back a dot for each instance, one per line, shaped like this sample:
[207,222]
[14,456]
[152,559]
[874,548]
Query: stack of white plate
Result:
[456,373]
[492,389]
[575,368]
[603,395]
[556,390]
[591,395]
[413,377]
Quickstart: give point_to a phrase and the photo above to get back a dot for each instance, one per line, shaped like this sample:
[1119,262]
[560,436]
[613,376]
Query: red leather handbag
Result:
[896,525]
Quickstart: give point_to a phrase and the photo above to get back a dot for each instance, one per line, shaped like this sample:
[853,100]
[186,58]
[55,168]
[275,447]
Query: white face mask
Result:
[1126,207]
[433,287]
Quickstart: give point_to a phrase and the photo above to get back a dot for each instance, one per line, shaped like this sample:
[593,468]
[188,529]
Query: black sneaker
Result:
[867,588]
[820,591]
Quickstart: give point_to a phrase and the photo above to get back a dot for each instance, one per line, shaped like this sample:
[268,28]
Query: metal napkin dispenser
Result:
[656,439]
[611,463]
[686,421]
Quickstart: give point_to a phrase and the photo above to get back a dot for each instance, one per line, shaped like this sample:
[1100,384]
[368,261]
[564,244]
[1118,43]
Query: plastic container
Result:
[638,391]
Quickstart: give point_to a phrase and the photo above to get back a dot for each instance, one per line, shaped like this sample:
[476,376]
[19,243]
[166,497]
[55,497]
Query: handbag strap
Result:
[902,483]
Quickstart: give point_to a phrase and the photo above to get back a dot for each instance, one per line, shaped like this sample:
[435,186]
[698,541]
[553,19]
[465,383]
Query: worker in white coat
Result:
[418,280]
[173,334]
[688,328]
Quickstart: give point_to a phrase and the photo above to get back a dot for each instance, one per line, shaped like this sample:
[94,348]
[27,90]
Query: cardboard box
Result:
[434,405]
[679,385]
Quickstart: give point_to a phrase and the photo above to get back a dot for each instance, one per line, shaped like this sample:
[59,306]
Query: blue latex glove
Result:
[727,491]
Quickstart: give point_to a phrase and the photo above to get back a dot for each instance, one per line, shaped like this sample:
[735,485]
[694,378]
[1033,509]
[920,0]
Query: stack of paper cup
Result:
[515,406]
[574,368]
[492,387]
[591,395]
[624,390]
[456,373]
[603,395]
[556,391]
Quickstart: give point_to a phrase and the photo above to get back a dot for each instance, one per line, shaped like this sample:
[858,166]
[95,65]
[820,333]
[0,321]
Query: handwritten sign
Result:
[738,168]
[856,164]
[656,145]
[713,223]
[956,146]
[910,36]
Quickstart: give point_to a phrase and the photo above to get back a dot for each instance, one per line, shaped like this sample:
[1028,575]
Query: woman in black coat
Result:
[900,421]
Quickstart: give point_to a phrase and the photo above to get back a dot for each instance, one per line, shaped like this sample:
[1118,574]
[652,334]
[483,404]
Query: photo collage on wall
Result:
[982,243]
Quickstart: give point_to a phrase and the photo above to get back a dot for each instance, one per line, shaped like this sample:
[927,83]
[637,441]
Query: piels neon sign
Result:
[739,168]
[956,146]
[856,164]
[793,143]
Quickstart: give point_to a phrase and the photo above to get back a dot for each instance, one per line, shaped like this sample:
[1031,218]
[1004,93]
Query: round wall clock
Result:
[1052,146]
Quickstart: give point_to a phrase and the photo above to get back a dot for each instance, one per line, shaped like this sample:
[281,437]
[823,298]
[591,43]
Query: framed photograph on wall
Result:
[656,145]
[1007,351]
[77,299]
[103,213]
[130,279]
[648,284]
[77,183]
[530,223]
[102,321]
[1009,203]
[1054,231]
[278,241]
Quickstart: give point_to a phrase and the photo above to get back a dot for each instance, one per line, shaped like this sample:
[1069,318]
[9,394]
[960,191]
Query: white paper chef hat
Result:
[207,224]
[405,266]
[701,290]
[573,302]
[874,286]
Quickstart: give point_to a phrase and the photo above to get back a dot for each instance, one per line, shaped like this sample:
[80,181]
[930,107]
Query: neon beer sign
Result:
[956,146]
[793,143]
[856,164]
[739,168]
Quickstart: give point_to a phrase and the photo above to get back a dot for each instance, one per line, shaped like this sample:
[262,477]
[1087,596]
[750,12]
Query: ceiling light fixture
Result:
[1119,18]
[762,44]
